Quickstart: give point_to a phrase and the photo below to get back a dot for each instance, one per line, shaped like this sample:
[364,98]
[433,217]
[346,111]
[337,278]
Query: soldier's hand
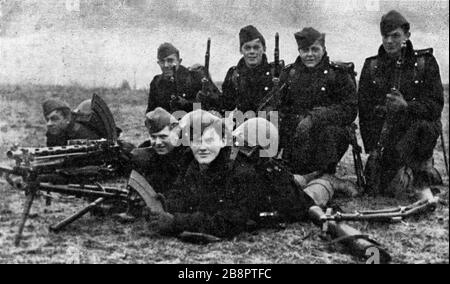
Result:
[201,96]
[305,125]
[161,222]
[395,102]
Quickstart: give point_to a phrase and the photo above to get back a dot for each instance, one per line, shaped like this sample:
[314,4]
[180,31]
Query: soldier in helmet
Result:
[412,95]
[251,80]
[229,190]
[62,126]
[318,103]
[178,87]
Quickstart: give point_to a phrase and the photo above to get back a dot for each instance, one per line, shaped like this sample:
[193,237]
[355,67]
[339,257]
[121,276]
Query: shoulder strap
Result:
[235,77]
[373,68]
[420,55]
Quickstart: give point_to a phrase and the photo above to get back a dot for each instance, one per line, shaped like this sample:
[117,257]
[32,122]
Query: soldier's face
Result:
[312,55]
[392,42]
[253,52]
[165,141]
[207,147]
[167,64]
[57,123]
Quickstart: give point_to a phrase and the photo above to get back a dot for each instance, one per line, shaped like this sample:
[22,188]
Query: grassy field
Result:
[95,240]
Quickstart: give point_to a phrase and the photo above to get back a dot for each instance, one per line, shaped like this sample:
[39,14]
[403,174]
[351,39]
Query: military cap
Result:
[250,33]
[51,105]
[158,119]
[308,36]
[167,49]
[392,21]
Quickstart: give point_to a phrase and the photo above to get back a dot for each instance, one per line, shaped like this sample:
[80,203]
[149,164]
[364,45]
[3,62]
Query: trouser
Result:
[320,150]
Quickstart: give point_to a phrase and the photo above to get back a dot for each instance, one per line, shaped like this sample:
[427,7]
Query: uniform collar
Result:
[409,53]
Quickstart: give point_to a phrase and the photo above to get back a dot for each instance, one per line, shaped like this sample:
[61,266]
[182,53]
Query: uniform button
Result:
[374,82]
[268,73]
[323,89]
[325,72]
[184,95]
[417,64]
[416,82]
[266,89]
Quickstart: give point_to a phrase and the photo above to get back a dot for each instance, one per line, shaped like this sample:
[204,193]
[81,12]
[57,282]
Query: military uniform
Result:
[231,197]
[75,131]
[328,94]
[416,129]
[245,88]
[161,172]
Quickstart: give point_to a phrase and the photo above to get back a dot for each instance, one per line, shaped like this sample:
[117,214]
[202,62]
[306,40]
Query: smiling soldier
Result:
[317,106]
[165,159]
[412,95]
[248,83]
[177,88]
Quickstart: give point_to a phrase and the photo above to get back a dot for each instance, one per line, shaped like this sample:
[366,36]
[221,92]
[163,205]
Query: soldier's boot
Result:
[402,184]
[430,173]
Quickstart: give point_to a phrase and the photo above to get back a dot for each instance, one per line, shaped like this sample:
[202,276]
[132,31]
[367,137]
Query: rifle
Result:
[357,161]
[274,96]
[206,78]
[373,170]
[86,162]
[444,151]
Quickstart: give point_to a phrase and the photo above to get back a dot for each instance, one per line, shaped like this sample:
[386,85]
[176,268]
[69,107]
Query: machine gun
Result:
[373,170]
[274,97]
[49,170]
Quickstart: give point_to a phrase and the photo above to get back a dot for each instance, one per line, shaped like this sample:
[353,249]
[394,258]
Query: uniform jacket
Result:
[161,172]
[420,85]
[326,92]
[245,88]
[229,198]
[164,92]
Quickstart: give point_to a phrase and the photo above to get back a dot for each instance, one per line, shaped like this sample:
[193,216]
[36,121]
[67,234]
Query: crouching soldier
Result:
[178,87]
[400,88]
[318,104]
[165,159]
[62,126]
[226,191]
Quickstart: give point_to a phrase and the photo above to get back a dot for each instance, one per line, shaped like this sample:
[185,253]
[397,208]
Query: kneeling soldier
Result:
[178,87]
[402,87]
[317,106]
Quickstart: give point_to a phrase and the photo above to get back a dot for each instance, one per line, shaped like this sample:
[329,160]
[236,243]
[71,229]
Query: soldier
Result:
[61,125]
[178,87]
[415,105]
[318,103]
[165,159]
[227,191]
[248,83]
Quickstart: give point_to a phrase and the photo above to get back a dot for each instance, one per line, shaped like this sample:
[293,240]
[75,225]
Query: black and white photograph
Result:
[200,132]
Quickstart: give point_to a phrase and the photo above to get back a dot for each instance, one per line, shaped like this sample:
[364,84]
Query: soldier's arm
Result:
[152,102]
[229,92]
[429,104]
[344,109]
[369,126]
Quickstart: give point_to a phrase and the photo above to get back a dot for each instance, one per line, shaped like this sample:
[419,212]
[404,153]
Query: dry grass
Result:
[95,240]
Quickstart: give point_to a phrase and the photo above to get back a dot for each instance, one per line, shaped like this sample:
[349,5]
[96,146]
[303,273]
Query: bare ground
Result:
[105,240]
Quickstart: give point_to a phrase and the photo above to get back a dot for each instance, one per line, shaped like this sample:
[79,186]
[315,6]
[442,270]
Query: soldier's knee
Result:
[321,191]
